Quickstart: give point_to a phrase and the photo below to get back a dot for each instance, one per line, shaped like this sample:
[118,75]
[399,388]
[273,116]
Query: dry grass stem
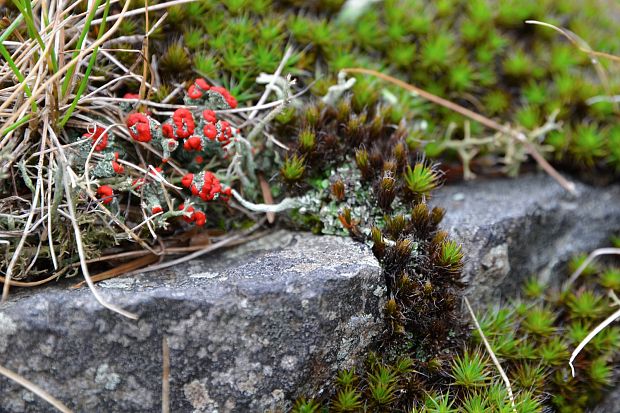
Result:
[165,376]
[586,262]
[487,345]
[583,46]
[589,337]
[27,384]
[483,120]
[268,197]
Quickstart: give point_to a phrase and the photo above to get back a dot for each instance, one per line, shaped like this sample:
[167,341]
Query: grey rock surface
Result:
[252,328]
[512,229]
[610,404]
[248,330]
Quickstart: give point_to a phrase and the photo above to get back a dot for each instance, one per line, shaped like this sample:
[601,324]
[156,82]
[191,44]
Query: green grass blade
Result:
[78,47]
[91,64]
[16,125]
[7,56]
[25,10]
[11,28]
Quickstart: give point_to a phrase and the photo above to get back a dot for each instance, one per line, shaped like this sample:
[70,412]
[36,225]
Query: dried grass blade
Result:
[268,197]
[589,337]
[27,384]
[483,120]
[83,265]
[502,373]
[586,262]
[165,377]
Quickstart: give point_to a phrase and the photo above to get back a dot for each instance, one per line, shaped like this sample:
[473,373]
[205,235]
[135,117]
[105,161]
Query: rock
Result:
[252,328]
[512,229]
[248,330]
[610,404]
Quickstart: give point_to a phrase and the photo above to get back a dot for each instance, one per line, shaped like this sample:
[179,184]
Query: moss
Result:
[532,338]
[537,67]
[175,59]
[479,53]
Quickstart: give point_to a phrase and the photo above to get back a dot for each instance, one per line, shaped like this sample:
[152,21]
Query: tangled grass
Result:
[62,77]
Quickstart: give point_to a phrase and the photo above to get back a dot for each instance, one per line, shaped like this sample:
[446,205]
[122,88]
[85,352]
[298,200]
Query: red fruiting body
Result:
[201,83]
[156,209]
[184,122]
[232,102]
[210,131]
[187,180]
[193,144]
[168,131]
[131,96]
[210,188]
[225,194]
[103,142]
[157,171]
[225,132]
[118,168]
[139,127]
[106,193]
[196,90]
[209,116]
[137,183]
[193,92]
[199,218]
[199,159]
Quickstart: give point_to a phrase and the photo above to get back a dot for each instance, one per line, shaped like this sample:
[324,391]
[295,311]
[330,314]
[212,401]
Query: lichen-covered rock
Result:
[512,229]
[248,330]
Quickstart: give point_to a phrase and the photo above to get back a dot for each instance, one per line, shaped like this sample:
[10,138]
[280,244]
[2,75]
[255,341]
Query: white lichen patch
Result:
[7,328]
[118,283]
[352,341]
[306,267]
[197,395]
[107,378]
[244,377]
[28,396]
[380,291]
[208,275]
[496,260]
[288,362]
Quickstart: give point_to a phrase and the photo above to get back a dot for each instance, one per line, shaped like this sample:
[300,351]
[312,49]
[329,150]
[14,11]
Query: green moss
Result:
[194,38]
[293,169]
[610,278]
[478,53]
[540,321]
[436,51]
[470,370]
[577,261]
[175,59]
[421,179]
[532,338]
[518,64]
[205,65]
[587,144]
